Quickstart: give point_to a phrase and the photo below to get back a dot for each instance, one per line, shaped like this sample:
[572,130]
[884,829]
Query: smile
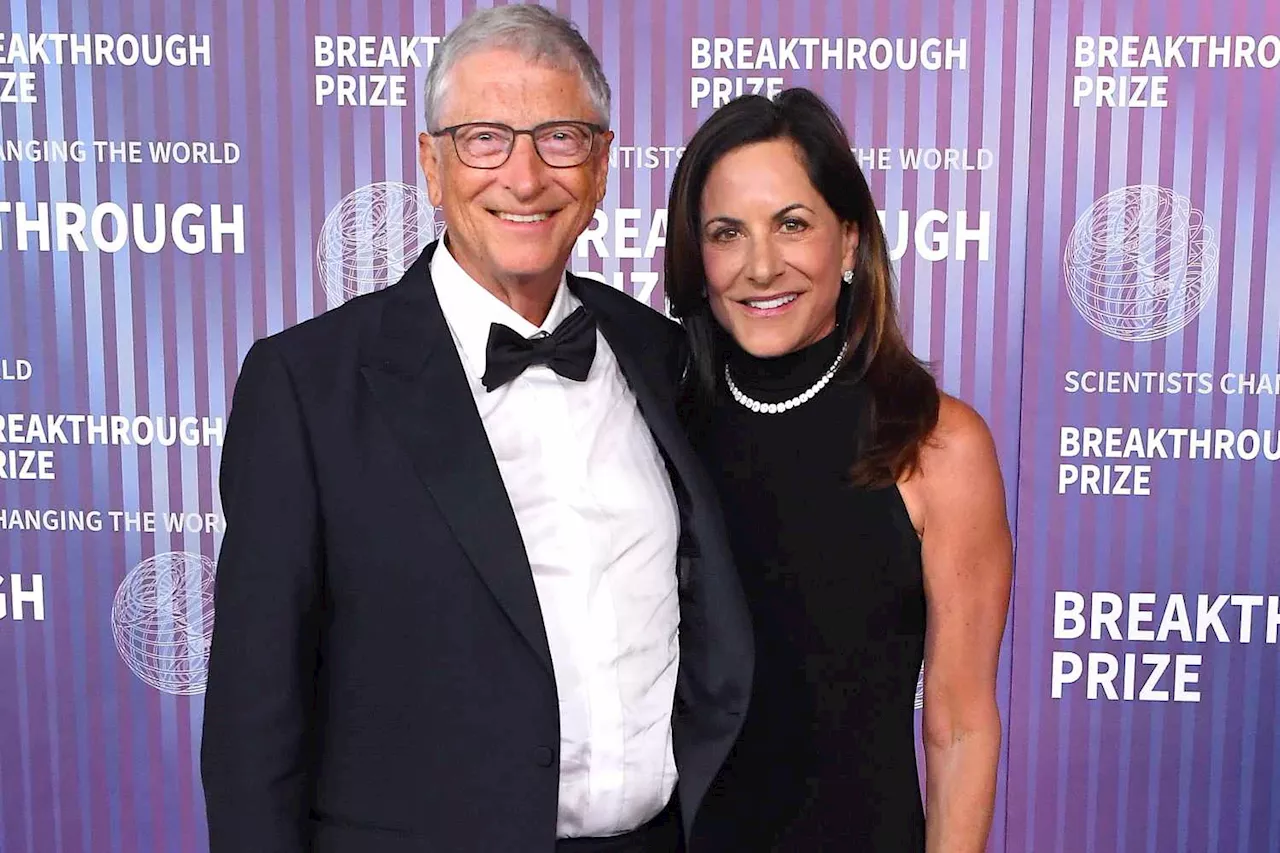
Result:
[771,303]
[518,217]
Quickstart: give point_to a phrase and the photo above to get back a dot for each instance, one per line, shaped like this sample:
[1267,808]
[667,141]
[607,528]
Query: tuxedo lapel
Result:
[421,389]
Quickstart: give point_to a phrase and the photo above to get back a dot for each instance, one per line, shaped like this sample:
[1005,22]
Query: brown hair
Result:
[903,396]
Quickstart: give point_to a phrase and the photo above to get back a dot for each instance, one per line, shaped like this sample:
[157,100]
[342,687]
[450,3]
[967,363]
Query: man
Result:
[474,593]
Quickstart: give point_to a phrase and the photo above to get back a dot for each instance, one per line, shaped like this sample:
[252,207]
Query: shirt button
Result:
[544,755]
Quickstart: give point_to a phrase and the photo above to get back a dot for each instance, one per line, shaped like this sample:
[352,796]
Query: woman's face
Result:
[772,249]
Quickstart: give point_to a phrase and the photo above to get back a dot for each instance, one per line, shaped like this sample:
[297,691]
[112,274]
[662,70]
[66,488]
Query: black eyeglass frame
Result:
[452,132]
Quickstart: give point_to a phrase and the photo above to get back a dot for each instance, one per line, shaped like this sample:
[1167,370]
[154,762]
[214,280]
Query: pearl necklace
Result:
[786,405]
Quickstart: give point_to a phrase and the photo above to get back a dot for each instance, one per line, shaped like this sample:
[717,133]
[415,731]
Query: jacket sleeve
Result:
[257,754]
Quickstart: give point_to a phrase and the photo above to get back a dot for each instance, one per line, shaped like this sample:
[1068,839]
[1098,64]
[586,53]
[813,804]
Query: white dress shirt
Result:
[599,521]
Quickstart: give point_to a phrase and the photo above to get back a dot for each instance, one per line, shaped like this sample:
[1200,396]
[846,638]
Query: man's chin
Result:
[531,268]
[533,276]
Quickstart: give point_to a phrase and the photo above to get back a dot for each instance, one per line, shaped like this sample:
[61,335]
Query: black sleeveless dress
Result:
[832,573]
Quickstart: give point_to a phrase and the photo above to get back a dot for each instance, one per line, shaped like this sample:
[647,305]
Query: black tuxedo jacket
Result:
[380,680]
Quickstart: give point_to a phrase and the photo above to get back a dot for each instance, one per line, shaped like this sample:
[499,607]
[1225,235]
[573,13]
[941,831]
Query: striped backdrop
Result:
[94,759]
[1150,777]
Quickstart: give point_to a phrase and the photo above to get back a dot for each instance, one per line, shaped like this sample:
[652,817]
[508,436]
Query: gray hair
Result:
[536,33]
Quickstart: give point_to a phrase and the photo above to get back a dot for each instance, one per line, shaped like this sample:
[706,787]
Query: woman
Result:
[865,508]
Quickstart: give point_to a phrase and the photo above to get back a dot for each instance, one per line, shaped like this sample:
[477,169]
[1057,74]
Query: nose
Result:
[524,171]
[764,263]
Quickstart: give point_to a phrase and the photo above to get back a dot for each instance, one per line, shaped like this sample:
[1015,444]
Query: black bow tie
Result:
[568,350]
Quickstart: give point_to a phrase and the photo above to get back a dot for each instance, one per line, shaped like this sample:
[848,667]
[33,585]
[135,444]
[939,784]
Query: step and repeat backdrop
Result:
[1081,202]
[1144,704]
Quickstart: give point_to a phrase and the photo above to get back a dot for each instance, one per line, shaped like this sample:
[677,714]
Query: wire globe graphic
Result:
[162,620]
[371,238]
[1141,263]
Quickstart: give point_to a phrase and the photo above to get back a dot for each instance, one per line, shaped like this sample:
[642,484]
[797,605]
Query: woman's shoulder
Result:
[960,429]
[960,461]
[959,447]
[957,463]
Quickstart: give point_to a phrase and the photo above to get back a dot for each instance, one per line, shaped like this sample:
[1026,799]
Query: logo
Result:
[1141,263]
[162,620]
[371,238]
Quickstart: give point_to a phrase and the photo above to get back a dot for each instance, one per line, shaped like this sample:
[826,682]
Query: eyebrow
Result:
[729,220]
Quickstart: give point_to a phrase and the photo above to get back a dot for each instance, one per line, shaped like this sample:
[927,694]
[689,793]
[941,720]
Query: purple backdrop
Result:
[987,133]
[1127,288]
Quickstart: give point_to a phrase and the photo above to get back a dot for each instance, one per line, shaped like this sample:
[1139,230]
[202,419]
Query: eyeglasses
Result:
[487,145]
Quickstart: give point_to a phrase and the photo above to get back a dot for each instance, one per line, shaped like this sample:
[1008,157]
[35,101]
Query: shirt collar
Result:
[469,309]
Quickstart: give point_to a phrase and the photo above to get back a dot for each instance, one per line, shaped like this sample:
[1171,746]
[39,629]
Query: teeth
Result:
[515,217]
[776,302]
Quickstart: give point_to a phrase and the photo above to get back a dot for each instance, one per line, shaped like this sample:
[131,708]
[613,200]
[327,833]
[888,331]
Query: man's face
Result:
[481,206]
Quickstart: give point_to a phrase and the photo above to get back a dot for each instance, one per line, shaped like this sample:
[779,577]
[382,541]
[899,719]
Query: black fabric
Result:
[379,677]
[569,350]
[833,577]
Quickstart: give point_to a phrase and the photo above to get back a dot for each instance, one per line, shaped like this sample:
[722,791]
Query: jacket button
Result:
[544,755]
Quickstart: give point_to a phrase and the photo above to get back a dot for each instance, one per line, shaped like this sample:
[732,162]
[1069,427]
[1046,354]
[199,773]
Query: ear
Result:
[849,245]
[429,158]
[600,166]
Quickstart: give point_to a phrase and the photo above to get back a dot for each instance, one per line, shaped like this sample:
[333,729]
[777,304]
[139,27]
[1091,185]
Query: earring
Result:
[848,276]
